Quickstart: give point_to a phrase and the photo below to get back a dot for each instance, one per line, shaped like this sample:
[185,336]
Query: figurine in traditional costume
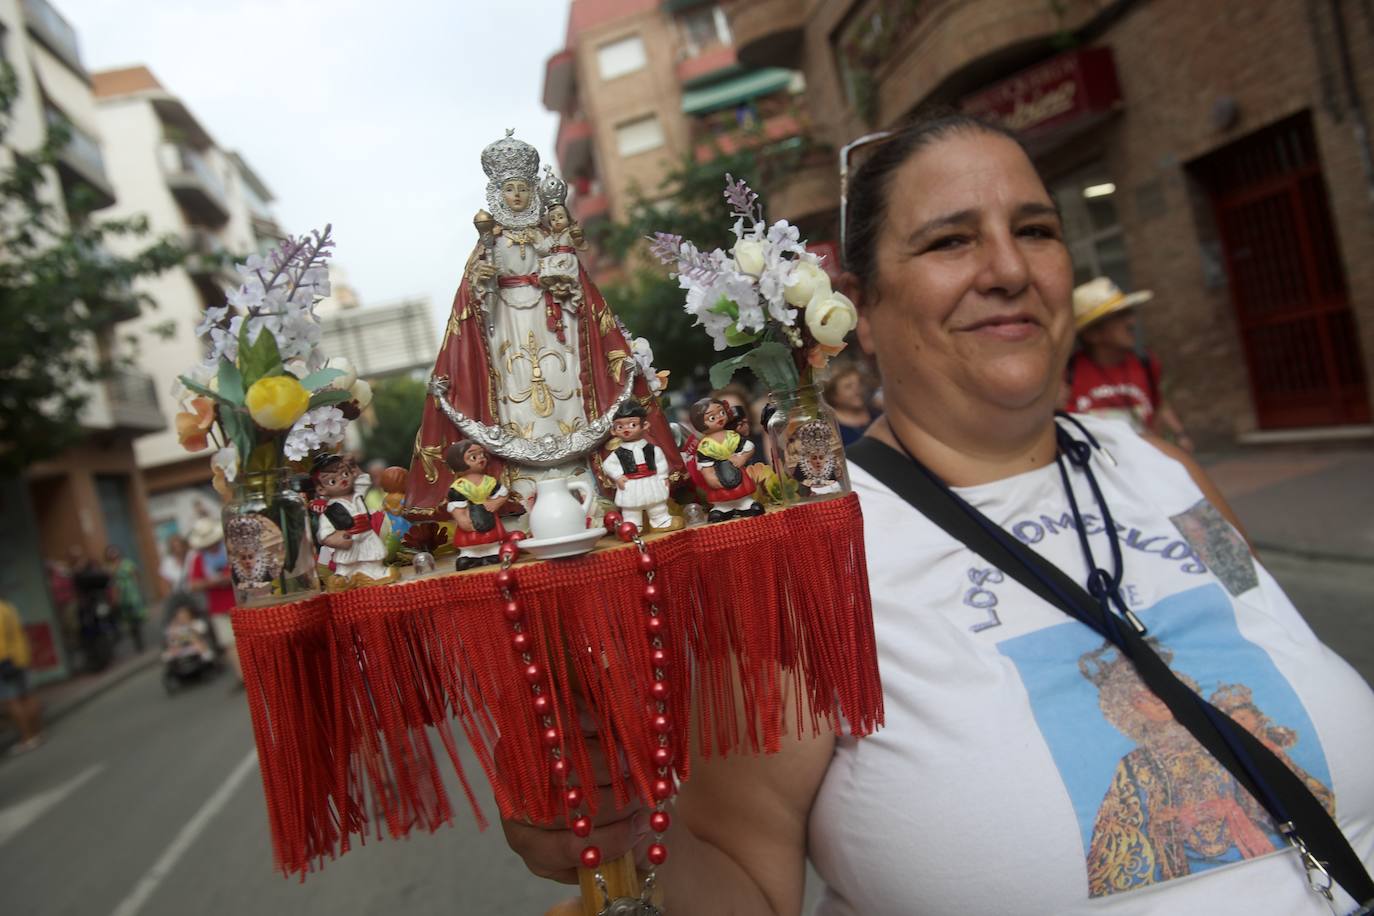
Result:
[473,503]
[346,524]
[538,395]
[639,470]
[721,456]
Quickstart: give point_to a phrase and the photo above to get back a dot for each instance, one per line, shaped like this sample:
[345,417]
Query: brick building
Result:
[1217,153]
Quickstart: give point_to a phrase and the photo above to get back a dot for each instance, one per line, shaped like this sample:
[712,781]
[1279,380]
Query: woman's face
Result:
[1116,331]
[849,392]
[971,305]
[516,192]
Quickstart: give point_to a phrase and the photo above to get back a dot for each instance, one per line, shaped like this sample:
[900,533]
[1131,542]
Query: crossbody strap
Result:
[1299,815]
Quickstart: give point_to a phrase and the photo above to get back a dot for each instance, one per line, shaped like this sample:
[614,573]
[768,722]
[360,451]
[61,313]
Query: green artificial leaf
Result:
[773,364]
[723,371]
[200,389]
[239,430]
[259,359]
[321,377]
[734,337]
[230,382]
[322,398]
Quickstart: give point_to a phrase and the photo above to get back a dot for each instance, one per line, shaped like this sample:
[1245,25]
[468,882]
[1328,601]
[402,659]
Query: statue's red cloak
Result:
[464,360]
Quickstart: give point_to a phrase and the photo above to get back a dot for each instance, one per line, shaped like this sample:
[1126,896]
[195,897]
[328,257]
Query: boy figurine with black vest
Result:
[346,523]
[639,470]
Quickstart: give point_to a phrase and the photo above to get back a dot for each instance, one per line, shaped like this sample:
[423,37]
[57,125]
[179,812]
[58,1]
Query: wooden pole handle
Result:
[622,880]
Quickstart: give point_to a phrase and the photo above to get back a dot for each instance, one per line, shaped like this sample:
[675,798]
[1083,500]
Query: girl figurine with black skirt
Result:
[721,456]
[473,501]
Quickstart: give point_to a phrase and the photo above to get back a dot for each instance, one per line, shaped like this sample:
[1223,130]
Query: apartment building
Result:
[640,84]
[164,164]
[1217,153]
[92,495]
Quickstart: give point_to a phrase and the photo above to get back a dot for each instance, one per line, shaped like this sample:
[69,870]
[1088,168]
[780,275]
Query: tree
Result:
[396,407]
[61,293]
[689,203]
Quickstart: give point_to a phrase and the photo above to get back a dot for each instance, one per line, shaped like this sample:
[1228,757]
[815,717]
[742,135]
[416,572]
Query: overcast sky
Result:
[369,115]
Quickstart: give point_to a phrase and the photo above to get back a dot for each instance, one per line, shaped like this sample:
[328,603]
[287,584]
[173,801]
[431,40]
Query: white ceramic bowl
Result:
[570,545]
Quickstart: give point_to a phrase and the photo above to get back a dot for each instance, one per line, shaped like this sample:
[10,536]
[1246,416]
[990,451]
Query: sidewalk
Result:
[1316,503]
[60,698]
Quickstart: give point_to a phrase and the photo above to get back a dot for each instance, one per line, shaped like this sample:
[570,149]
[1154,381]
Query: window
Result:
[703,28]
[639,135]
[618,58]
[1092,228]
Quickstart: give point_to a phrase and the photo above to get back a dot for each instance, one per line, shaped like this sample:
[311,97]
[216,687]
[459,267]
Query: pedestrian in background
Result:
[1109,376]
[847,392]
[126,595]
[175,571]
[20,704]
[95,619]
[210,577]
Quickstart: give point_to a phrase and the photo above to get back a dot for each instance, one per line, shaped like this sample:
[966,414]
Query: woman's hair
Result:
[455,456]
[866,210]
[839,373]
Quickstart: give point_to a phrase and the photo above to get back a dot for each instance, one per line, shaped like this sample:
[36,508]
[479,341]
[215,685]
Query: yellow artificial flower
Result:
[277,402]
[193,429]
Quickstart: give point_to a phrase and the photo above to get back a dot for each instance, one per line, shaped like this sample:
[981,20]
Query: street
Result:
[144,805]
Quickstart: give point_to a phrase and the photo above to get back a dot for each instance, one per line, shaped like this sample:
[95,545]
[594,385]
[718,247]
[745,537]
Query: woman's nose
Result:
[1004,269]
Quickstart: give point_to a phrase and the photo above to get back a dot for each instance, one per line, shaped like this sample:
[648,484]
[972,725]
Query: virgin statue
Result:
[533,364]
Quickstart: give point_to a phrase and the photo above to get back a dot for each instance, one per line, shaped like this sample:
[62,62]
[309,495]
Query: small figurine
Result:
[721,454]
[559,268]
[639,470]
[473,501]
[345,524]
[816,467]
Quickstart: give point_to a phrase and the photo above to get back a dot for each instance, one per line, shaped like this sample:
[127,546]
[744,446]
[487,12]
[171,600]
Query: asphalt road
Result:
[141,805]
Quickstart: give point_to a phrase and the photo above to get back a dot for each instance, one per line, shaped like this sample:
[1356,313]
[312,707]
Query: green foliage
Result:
[61,295]
[396,407]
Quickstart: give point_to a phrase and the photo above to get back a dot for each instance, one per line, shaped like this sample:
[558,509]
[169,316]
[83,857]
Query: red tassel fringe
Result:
[345,688]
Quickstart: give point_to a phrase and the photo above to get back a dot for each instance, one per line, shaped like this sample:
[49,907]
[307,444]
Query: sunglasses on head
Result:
[846,152]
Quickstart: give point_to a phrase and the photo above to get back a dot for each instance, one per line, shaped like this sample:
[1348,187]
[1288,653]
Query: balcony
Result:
[194,184]
[768,33]
[55,33]
[763,122]
[592,210]
[560,81]
[132,397]
[809,190]
[575,146]
[712,63]
[80,163]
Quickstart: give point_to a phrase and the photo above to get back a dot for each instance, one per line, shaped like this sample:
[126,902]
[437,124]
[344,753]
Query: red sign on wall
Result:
[42,652]
[1058,92]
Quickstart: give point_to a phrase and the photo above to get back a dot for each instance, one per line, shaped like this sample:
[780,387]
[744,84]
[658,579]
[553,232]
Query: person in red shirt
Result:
[1108,376]
[210,576]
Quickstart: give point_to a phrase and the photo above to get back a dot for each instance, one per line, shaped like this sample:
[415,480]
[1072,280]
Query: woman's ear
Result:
[851,287]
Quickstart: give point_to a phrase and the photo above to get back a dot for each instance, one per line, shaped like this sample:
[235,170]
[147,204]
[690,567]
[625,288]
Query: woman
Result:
[847,395]
[126,594]
[982,791]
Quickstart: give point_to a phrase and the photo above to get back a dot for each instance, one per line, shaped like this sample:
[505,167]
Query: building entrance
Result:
[1287,283]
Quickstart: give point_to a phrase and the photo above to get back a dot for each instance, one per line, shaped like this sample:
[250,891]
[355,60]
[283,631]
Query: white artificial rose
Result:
[362,393]
[830,318]
[350,375]
[749,256]
[807,282]
[227,460]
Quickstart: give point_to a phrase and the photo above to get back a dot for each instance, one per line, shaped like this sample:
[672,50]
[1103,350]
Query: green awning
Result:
[673,6]
[737,89]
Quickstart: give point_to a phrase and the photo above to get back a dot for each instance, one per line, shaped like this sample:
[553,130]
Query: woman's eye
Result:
[947,242]
[1039,231]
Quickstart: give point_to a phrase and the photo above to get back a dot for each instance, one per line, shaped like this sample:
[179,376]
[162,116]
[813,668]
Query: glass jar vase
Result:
[804,447]
[267,537]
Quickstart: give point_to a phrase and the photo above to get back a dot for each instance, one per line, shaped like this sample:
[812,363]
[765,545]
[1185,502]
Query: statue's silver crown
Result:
[553,191]
[510,158]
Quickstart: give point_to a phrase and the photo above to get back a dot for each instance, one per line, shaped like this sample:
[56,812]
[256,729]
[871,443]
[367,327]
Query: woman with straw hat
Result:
[1108,376]
[210,575]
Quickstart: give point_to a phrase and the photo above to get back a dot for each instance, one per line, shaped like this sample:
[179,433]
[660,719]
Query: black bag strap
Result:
[1300,816]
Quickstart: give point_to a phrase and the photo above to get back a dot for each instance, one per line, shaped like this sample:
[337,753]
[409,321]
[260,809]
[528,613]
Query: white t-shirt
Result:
[1000,786]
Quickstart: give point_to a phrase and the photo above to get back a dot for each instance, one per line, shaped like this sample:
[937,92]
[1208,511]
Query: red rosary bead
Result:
[659,691]
[573,796]
[661,724]
[512,610]
[663,788]
[534,672]
[626,531]
[659,821]
[509,551]
[651,592]
[582,827]
[520,642]
[514,537]
[612,520]
[559,769]
[551,737]
[659,658]
[505,578]
[654,625]
[657,854]
[542,705]
[663,756]
[646,562]
[591,857]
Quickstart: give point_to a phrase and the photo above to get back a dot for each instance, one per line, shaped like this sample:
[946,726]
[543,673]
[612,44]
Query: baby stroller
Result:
[189,652]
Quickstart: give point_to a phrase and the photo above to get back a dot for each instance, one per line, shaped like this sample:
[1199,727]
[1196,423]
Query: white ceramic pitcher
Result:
[556,513]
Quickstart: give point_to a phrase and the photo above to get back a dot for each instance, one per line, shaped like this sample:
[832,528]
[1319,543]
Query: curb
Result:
[1299,553]
[56,711]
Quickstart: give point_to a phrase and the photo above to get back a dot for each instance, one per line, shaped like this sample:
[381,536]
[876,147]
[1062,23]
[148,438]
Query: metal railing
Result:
[81,146]
[54,31]
[133,400]
[178,159]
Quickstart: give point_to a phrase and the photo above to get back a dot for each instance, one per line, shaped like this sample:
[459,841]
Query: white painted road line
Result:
[149,883]
[16,817]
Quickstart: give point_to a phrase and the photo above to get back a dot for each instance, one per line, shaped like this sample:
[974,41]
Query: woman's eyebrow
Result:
[958,218]
[1037,208]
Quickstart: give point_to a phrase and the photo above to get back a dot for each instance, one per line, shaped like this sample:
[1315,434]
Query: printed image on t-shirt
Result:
[1152,804]
[1219,546]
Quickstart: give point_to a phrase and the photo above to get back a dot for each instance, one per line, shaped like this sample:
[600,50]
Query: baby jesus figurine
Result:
[346,524]
[639,470]
[559,269]
[473,502]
